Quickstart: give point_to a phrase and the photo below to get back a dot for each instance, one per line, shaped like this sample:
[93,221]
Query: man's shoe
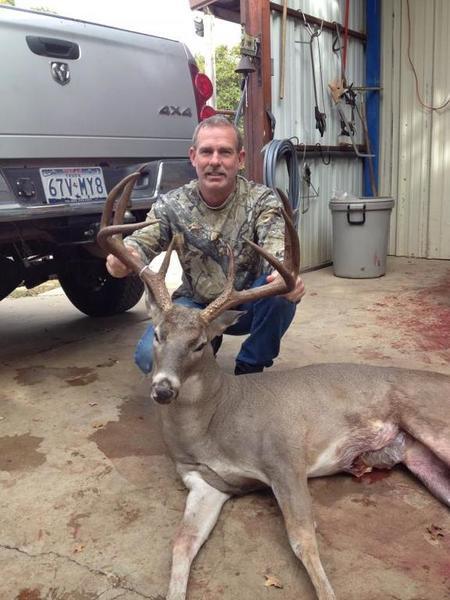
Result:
[216,343]
[243,368]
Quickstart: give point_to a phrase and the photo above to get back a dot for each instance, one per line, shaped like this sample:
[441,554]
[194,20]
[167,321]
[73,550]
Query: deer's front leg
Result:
[293,497]
[203,506]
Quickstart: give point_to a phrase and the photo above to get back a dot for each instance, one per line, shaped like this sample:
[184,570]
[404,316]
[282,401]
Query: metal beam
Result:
[298,14]
[373,62]
[226,14]
[199,4]
[228,11]
[255,16]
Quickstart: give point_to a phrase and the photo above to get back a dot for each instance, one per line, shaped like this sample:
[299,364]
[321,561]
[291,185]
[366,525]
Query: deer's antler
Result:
[288,269]
[109,238]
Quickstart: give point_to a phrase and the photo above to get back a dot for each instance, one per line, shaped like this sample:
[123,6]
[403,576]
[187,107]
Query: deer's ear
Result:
[223,321]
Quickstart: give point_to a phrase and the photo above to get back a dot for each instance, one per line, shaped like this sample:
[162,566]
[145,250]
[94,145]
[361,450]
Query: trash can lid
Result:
[370,203]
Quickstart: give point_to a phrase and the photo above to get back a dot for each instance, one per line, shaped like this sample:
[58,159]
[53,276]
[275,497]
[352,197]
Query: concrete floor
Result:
[89,500]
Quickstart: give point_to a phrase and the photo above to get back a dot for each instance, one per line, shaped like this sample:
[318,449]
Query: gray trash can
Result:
[360,235]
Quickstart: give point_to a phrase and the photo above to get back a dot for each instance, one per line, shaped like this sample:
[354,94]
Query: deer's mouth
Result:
[163,391]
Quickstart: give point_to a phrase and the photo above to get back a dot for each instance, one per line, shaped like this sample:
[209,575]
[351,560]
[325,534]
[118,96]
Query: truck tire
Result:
[12,276]
[95,293]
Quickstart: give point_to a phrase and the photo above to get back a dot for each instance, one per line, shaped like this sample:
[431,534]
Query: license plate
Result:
[73,184]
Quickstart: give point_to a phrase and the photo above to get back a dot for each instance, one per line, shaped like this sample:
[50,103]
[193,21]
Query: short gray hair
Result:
[218,121]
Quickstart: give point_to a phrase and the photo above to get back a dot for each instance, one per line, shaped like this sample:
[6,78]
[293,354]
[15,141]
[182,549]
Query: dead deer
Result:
[230,435]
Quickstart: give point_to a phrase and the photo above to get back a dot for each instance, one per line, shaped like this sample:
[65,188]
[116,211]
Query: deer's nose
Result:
[163,391]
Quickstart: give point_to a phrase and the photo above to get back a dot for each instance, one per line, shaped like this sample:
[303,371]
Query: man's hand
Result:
[294,295]
[116,268]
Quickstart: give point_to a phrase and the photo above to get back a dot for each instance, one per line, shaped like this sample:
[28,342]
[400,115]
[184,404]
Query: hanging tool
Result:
[243,98]
[314,33]
[341,48]
[249,51]
[344,49]
[339,88]
[338,48]
[348,127]
[306,180]
[373,184]
[344,94]
[283,49]
[307,184]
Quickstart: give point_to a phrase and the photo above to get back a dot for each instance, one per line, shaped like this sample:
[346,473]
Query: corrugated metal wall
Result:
[295,113]
[414,148]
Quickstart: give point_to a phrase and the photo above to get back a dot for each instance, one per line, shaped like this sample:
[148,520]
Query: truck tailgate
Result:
[112,105]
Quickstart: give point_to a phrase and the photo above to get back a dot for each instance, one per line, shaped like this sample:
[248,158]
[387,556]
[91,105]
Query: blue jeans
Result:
[266,320]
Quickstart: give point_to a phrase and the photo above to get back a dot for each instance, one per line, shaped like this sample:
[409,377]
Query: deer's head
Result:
[182,347]
[183,335]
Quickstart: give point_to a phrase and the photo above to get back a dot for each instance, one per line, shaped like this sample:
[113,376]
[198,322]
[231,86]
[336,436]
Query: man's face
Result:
[217,162]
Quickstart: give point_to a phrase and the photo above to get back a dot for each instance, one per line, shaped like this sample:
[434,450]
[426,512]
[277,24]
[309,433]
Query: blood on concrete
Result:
[422,317]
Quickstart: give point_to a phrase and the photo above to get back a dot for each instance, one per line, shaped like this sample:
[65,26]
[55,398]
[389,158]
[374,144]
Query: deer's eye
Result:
[156,336]
[200,347]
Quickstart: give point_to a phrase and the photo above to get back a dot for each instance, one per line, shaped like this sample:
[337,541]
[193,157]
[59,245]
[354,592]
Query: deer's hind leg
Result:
[433,472]
[422,461]
[294,500]
[432,432]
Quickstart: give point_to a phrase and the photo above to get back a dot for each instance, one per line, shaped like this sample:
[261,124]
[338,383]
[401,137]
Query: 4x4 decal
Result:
[172,111]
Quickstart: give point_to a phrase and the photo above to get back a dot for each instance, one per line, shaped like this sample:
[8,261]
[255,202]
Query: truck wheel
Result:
[94,292]
[12,276]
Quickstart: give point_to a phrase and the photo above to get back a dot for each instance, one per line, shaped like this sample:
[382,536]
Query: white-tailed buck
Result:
[229,435]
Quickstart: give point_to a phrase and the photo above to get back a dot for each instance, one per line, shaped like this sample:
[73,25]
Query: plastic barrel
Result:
[360,236]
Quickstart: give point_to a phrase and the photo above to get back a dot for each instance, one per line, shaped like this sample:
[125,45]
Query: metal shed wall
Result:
[295,114]
[414,148]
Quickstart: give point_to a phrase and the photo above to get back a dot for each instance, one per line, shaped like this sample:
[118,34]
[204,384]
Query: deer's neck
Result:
[187,419]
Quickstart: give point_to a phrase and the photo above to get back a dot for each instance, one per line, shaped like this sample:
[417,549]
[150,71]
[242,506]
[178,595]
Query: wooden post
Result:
[255,16]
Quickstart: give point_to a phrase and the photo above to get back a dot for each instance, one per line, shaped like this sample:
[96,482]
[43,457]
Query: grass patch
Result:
[22,292]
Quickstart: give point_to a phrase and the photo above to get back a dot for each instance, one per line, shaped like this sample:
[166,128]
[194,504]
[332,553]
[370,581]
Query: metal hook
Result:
[306,179]
[312,32]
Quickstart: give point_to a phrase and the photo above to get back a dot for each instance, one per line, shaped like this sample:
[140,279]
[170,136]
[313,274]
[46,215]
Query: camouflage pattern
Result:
[251,211]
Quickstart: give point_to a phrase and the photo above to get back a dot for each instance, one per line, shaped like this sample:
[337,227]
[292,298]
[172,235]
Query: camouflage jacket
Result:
[251,211]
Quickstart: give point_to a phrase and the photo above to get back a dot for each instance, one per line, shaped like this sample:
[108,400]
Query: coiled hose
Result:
[275,151]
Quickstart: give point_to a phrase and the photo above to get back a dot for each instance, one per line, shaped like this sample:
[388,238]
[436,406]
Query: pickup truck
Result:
[81,106]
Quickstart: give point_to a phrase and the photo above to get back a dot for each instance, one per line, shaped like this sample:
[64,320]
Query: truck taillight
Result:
[203,86]
[203,89]
[207,111]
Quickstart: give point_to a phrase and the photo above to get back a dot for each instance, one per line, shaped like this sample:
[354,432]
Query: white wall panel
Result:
[439,213]
[415,156]
[390,104]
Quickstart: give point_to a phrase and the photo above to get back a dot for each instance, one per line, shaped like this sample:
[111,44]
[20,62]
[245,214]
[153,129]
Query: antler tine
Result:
[292,250]
[286,204]
[156,280]
[215,307]
[288,269]
[112,196]
[110,239]
[106,231]
[174,242]
[107,235]
[124,199]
